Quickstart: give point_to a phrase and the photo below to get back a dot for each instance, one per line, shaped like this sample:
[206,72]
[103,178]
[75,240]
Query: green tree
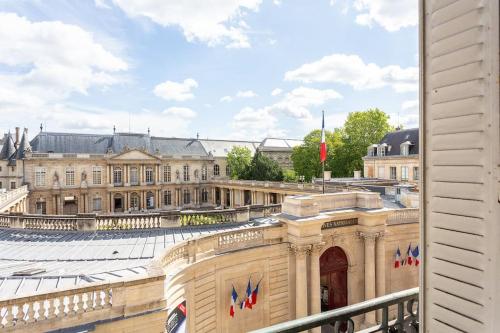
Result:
[361,129]
[346,146]
[238,159]
[289,176]
[263,168]
[305,157]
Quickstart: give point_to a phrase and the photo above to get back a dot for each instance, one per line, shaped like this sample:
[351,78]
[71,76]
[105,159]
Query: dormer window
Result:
[382,150]
[405,148]
[372,150]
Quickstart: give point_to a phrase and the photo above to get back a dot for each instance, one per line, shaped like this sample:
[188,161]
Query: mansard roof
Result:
[72,143]
[396,138]
[279,144]
[220,148]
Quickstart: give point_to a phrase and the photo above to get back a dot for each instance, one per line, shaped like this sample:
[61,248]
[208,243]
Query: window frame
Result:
[149,175]
[404,174]
[167,174]
[216,170]
[185,173]
[117,173]
[134,175]
[96,175]
[69,176]
[94,200]
[186,194]
[167,198]
[40,176]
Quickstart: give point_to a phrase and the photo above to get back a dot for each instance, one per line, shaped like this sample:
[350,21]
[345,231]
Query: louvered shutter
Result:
[461,156]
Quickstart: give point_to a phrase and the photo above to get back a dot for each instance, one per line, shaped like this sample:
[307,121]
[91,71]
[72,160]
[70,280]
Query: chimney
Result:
[16,143]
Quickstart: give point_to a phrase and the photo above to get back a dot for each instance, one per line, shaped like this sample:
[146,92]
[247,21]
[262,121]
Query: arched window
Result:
[216,170]
[204,172]
[97,204]
[134,202]
[186,173]
[149,175]
[117,175]
[187,197]
[196,174]
[167,174]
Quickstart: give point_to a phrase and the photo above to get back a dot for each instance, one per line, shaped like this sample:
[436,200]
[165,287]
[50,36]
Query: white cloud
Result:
[226,99]
[409,115]
[212,22]
[276,92]
[277,2]
[352,70]
[246,94]
[296,103]
[180,112]
[175,91]
[48,61]
[391,15]
[101,4]
[255,124]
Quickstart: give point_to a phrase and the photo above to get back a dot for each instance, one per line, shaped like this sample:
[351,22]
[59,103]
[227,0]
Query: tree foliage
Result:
[345,146]
[239,159]
[263,168]
[289,176]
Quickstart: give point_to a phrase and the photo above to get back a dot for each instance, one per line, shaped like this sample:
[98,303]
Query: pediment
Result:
[134,155]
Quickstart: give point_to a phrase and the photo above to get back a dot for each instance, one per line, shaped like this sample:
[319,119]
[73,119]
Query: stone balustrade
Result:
[402,216]
[163,219]
[69,307]
[10,197]
[299,187]
[223,242]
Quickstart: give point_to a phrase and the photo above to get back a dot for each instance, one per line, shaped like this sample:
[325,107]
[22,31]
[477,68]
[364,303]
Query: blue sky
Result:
[241,69]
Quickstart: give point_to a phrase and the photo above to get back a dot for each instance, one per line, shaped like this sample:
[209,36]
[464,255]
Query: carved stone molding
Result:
[300,250]
[317,248]
[370,236]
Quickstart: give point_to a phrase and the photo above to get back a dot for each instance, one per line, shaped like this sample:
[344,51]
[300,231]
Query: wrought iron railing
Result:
[406,320]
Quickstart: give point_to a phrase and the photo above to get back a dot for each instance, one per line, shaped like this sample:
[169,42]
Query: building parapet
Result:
[9,197]
[402,216]
[76,306]
[298,187]
[162,219]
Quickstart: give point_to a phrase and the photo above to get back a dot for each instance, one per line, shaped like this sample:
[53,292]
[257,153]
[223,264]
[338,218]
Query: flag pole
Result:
[323,163]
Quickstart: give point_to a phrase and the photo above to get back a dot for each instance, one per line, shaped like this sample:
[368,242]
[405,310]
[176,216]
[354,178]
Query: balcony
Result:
[340,320]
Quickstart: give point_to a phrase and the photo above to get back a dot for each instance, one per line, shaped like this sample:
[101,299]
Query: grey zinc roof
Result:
[8,148]
[220,148]
[277,143]
[395,139]
[77,258]
[67,143]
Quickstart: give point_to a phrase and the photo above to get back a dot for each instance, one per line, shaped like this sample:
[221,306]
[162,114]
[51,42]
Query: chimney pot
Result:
[16,144]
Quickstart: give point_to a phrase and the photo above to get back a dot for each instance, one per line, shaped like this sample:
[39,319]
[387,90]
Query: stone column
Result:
[315,283]
[380,267]
[370,275]
[301,254]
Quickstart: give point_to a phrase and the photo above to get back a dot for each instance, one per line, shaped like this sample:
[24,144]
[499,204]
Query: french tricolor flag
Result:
[397,261]
[416,253]
[248,301]
[255,293]
[322,146]
[234,297]
[409,259]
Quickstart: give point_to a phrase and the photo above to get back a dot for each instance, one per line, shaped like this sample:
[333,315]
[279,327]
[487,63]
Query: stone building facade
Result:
[395,157]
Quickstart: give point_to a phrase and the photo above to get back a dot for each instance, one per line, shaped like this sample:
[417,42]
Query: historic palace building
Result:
[69,173]
[395,157]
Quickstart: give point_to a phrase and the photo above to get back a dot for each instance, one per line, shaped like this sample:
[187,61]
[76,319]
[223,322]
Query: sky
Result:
[226,69]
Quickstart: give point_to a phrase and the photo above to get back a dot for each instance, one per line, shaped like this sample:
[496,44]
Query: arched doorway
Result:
[333,271]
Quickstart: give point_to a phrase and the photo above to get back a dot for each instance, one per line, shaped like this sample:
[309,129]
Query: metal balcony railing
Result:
[341,319]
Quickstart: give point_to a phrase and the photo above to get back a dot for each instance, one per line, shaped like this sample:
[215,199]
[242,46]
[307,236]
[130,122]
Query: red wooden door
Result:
[333,267]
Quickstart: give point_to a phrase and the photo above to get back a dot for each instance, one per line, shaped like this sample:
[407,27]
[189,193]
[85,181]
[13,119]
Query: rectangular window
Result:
[70,177]
[167,176]
[167,198]
[186,173]
[204,196]
[204,172]
[97,204]
[393,173]
[96,175]
[404,173]
[117,176]
[40,174]
[416,176]
[12,185]
[134,176]
[41,207]
[149,175]
[228,171]
[187,197]
[381,172]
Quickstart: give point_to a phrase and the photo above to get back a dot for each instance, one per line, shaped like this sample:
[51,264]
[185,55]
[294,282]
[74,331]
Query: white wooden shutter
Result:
[460,140]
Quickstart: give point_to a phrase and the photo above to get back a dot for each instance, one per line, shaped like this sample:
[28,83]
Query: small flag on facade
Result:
[254,294]
[415,253]
[397,261]
[322,147]
[409,260]
[248,301]
[234,297]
